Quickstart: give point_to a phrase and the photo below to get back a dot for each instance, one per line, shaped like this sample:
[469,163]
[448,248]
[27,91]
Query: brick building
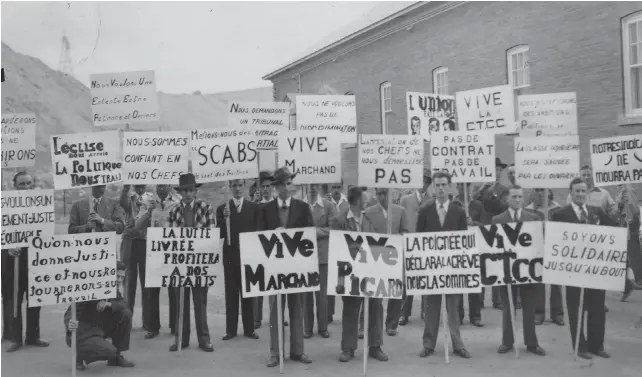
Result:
[591,48]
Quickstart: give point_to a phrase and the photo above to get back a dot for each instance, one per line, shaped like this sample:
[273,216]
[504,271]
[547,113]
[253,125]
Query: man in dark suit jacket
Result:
[441,216]
[286,212]
[528,292]
[594,299]
[96,213]
[244,217]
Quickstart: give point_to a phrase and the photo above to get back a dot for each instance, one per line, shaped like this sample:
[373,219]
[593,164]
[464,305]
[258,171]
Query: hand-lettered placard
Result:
[313,157]
[183,257]
[279,261]
[617,160]
[429,113]
[124,98]
[391,161]
[331,115]
[26,214]
[467,156]
[18,140]
[223,155]
[553,114]
[365,265]
[442,263]
[546,161]
[155,158]
[70,268]
[511,253]
[86,159]
[266,119]
[488,109]
[586,256]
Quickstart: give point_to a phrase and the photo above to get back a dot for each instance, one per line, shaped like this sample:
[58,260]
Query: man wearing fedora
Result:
[286,212]
[192,213]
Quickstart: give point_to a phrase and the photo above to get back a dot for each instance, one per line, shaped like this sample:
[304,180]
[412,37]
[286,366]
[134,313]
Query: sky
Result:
[208,46]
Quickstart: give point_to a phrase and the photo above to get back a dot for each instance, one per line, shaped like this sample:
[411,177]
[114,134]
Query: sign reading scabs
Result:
[223,155]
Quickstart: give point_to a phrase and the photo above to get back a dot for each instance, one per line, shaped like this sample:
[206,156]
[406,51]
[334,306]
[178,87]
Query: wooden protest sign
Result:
[511,253]
[120,98]
[26,214]
[155,158]
[466,156]
[265,119]
[428,113]
[86,159]
[18,140]
[183,257]
[488,109]
[546,162]
[223,155]
[365,265]
[442,263]
[390,161]
[553,114]
[585,256]
[313,157]
[617,160]
[279,261]
[330,115]
[68,268]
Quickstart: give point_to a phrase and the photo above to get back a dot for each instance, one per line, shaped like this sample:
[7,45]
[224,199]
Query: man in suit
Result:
[411,203]
[580,213]
[96,213]
[192,213]
[529,292]
[12,326]
[244,217]
[324,215]
[336,197]
[375,220]
[596,196]
[441,216]
[281,213]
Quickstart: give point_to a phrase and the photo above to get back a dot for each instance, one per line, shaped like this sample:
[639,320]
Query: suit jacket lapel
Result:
[573,213]
[102,207]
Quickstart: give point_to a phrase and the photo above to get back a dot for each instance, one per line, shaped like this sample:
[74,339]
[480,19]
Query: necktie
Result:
[95,205]
[442,214]
[583,216]
[237,204]
[516,216]
[188,208]
[284,206]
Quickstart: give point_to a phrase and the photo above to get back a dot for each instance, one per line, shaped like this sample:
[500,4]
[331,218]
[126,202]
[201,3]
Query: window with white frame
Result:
[632,56]
[385,92]
[518,70]
[440,81]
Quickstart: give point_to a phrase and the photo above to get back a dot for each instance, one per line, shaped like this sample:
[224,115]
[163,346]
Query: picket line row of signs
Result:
[81,267]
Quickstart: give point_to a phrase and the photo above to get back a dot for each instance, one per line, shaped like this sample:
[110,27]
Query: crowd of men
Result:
[433,208]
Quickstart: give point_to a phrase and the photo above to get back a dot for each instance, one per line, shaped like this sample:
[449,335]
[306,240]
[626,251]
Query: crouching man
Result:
[95,322]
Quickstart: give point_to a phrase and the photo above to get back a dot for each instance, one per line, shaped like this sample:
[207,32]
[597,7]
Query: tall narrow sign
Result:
[18,140]
[155,158]
[488,109]
[387,161]
[330,115]
[266,119]
[223,155]
[617,160]
[546,162]
[467,156]
[553,114]
[429,113]
[313,157]
[26,214]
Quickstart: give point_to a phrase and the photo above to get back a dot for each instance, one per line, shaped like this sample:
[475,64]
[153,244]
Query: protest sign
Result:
[265,119]
[546,161]
[553,114]
[467,156]
[442,263]
[155,158]
[183,257]
[586,256]
[617,160]
[279,261]
[18,140]
[313,157]
[223,155]
[328,115]
[26,214]
[68,268]
[429,113]
[86,159]
[124,98]
[365,265]
[488,109]
[390,161]
[511,253]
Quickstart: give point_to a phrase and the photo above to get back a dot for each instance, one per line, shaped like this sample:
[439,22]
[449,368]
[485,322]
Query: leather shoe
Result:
[360,334]
[120,361]
[324,334]
[37,343]
[558,320]
[603,354]
[504,349]
[302,358]
[346,356]
[330,319]
[498,306]
[151,334]
[80,365]
[14,347]
[536,350]
[377,354]
[585,355]
[539,320]
[174,347]
[425,352]
[229,336]
[252,335]
[477,323]
[208,347]
[391,332]
[403,321]
[307,334]
[462,353]
[273,361]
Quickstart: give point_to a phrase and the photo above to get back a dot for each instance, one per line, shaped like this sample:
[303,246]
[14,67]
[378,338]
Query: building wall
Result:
[574,46]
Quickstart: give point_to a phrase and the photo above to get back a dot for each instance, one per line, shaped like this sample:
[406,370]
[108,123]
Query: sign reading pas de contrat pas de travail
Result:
[330,115]
[155,158]
[546,161]
[315,158]
[26,214]
[223,155]
[467,156]
[390,161]
[86,159]
[266,119]
[488,109]
[428,113]
[124,98]
[617,160]
[553,114]
[18,140]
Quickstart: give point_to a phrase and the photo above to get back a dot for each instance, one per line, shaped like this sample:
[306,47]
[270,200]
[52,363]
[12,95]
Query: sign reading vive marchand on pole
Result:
[313,157]
[617,160]
[279,261]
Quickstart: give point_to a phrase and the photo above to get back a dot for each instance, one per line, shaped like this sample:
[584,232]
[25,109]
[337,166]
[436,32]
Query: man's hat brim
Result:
[278,180]
[183,187]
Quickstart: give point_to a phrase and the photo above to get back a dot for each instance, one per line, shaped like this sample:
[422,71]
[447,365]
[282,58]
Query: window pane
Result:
[633,33]
[515,78]
[636,88]
[514,62]
[633,54]
[639,27]
[527,75]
